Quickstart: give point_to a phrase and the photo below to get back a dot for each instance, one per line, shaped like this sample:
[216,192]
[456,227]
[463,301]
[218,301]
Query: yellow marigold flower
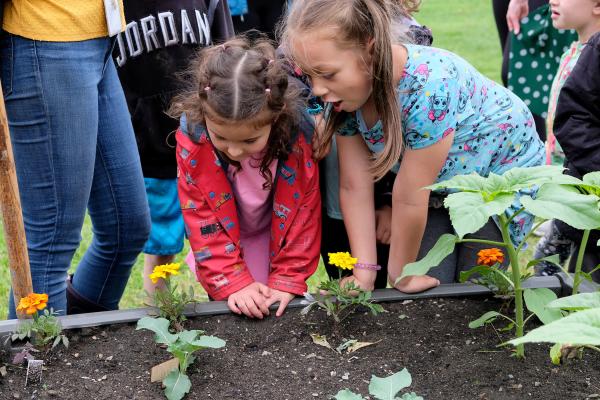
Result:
[342,260]
[164,271]
[490,257]
[33,303]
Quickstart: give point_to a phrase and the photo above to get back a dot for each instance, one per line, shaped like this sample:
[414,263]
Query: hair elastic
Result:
[271,61]
[206,88]
[268,90]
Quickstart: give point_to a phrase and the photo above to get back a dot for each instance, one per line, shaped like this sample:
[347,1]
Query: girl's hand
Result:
[365,284]
[282,297]
[383,223]
[414,284]
[250,300]
[517,10]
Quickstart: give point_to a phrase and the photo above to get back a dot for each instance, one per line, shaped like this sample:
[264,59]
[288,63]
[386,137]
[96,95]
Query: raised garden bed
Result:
[277,359]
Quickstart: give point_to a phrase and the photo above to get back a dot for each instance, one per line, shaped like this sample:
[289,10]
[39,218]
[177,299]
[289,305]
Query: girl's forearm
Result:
[358,210]
[408,226]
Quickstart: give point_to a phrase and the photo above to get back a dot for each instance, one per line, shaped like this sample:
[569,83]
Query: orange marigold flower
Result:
[490,257]
[33,303]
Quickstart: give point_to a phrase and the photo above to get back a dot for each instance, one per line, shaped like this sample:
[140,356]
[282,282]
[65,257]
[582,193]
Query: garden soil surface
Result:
[276,359]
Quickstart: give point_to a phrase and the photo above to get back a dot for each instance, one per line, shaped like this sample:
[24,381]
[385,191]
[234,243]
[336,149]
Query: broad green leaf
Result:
[576,302]
[580,328]
[469,211]
[187,336]
[495,184]
[556,353]
[176,385]
[537,300]
[160,326]
[386,388]
[443,247]
[485,272]
[565,203]
[212,342]
[466,183]
[410,396]
[522,178]
[346,394]
[592,178]
[554,259]
[484,319]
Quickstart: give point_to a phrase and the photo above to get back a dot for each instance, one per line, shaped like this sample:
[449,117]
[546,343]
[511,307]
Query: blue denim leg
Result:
[68,145]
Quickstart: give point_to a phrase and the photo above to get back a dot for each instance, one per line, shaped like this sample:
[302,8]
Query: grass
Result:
[465,27]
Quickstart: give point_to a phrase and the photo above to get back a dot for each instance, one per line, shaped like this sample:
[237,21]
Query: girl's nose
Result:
[234,151]
[318,89]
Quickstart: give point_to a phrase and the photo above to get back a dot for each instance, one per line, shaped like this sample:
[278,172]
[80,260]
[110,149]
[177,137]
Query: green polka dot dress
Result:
[534,58]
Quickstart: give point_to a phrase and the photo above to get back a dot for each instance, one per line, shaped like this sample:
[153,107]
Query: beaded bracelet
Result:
[372,267]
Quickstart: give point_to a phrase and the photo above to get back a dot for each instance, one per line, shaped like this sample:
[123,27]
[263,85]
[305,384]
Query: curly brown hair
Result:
[233,83]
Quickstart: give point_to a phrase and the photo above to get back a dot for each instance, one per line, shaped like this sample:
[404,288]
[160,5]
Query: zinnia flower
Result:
[33,303]
[164,271]
[342,260]
[490,257]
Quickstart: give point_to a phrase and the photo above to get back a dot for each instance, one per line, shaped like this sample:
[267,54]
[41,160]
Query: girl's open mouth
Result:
[337,106]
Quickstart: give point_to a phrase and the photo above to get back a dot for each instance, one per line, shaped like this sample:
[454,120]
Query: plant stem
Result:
[529,234]
[483,241]
[582,246]
[589,346]
[516,273]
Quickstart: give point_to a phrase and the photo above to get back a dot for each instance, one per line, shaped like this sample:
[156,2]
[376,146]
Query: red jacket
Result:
[211,222]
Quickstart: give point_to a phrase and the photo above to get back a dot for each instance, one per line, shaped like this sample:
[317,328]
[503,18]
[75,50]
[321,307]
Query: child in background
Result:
[421,112]
[584,17]
[248,186]
[577,129]
[147,70]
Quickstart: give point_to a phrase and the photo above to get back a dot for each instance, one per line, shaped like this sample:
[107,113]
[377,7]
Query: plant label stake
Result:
[12,216]
[34,371]
[159,371]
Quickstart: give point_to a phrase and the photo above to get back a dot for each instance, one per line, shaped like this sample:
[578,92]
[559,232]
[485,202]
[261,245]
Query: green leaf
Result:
[536,301]
[410,396]
[470,211]
[528,177]
[554,259]
[472,182]
[386,388]
[592,179]
[176,385]
[566,204]
[212,342]
[443,247]
[556,353]
[579,328]
[346,394]
[160,326]
[484,319]
[576,302]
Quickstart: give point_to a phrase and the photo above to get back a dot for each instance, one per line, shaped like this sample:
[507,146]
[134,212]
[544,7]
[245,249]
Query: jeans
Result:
[74,149]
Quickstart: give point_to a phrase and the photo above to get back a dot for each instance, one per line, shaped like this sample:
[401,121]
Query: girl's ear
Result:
[596,9]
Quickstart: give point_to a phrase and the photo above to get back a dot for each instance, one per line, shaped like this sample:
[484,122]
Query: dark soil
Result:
[277,359]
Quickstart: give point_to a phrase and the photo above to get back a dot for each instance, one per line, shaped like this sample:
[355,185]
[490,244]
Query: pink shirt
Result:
[254,206]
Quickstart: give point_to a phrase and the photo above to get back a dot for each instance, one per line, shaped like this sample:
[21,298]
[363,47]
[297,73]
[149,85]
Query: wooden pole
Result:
[12,216]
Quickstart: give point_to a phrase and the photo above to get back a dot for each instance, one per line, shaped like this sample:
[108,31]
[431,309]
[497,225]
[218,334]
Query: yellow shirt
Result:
[57,20]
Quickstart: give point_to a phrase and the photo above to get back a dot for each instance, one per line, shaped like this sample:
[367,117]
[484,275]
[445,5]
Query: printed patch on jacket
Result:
[203,254]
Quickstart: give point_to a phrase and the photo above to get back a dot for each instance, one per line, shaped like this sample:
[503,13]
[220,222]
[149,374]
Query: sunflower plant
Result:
[43,330]
[544,192]
[169,301]
[336,299]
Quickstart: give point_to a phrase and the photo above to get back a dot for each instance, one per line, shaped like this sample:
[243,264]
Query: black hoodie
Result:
[161,38]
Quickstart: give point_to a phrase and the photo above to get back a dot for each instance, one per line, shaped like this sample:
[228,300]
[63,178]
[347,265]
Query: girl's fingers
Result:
[256,304]
[232,306]
[245,308]
[283,302]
